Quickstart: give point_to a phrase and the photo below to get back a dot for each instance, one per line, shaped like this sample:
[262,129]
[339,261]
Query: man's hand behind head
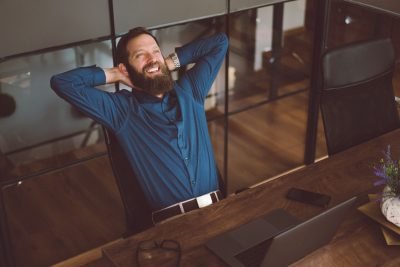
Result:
[118,74]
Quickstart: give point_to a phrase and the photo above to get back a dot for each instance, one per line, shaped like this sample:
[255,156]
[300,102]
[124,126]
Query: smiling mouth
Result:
[152,69]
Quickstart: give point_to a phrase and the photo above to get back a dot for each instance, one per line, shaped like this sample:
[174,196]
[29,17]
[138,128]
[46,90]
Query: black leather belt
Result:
[186,206]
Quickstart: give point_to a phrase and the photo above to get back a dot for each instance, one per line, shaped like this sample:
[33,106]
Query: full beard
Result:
[159,84]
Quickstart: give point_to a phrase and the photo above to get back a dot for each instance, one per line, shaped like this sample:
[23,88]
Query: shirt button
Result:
[193,182]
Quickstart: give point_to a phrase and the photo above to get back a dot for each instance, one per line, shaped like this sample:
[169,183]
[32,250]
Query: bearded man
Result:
[161,124]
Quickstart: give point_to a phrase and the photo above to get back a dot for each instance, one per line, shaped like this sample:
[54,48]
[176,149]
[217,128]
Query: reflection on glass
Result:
[260,71]
[263,141]
[36,124]
[62,213]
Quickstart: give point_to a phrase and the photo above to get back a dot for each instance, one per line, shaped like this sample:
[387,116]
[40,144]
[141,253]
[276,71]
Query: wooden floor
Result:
[62,213]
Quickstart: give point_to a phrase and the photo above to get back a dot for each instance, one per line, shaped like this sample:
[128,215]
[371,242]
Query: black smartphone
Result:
[308,197]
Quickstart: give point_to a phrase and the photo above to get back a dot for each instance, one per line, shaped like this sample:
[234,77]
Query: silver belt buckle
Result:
[204,200]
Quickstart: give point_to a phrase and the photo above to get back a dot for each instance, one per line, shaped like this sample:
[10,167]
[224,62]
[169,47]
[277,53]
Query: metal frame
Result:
[321,23]
[277,34]
[226,108]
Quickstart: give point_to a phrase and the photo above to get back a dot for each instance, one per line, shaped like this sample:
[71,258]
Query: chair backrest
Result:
[137,209]
[357,100]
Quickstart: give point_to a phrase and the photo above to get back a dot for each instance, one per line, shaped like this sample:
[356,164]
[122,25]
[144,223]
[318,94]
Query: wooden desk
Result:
[358,241]
[388,7]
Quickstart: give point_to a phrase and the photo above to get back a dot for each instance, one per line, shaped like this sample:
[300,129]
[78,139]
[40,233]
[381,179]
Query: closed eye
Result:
[138,55]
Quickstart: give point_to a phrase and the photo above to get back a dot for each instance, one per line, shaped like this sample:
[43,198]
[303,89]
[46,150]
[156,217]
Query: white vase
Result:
[390,206]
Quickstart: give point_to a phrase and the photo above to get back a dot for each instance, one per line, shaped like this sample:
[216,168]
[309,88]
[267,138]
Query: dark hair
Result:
[122,52]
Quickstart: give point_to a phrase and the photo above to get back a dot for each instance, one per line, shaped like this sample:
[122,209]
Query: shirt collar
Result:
[145,98]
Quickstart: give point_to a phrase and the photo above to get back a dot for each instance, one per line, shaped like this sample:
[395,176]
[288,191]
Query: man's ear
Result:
[122,69]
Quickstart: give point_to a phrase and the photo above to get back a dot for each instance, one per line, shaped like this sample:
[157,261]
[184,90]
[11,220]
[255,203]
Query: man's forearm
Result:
[213,47]
[208,55]
[79,88]
[78,78]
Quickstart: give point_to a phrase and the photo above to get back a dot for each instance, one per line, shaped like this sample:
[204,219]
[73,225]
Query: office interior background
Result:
[58,192]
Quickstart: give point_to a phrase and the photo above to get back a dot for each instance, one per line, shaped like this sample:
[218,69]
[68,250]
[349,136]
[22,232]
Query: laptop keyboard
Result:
[253,256]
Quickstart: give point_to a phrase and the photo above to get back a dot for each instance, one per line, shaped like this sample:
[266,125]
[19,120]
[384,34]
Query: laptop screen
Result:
[298,241]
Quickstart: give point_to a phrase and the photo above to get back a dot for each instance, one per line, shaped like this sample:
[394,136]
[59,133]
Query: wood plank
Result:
[92,257]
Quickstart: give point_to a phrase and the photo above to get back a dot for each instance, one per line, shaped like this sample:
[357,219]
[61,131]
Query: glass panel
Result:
[37,125]
[350,23]
[259,71]
[266,141]
[237,5]
[244,90]
[28,26]
[60,214]
[173,11]
[266,135]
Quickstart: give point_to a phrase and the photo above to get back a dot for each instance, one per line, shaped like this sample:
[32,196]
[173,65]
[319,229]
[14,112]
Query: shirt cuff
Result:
[99,77]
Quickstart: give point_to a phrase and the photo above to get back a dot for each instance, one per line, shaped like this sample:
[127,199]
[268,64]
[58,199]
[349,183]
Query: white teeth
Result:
[154,69]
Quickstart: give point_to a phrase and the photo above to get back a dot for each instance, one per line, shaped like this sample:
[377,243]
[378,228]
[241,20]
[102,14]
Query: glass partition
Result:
[58,214]
[256,110]
[266,60]
[132,13]
[36,125]
[266,141]
[240,5]
[28,26]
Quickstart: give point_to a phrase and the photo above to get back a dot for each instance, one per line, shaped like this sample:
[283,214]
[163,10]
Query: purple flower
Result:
[380,172]
[388,172]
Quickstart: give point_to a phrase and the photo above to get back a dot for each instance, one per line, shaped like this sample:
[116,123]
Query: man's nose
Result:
[151,58]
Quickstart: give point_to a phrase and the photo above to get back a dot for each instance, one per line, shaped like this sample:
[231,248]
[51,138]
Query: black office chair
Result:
[137,210]
[357,100]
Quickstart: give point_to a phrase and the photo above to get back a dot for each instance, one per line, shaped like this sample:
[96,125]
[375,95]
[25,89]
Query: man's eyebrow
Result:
[142,49]
[137,51]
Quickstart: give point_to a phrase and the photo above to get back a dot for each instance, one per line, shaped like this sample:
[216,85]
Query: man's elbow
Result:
[57,82]
[223,40]
[53,82]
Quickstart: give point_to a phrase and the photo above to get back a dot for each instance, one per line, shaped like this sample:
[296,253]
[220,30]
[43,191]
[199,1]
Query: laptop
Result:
[278,238]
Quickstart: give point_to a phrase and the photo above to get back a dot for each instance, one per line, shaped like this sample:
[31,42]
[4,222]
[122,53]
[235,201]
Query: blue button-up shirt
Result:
[165,140]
